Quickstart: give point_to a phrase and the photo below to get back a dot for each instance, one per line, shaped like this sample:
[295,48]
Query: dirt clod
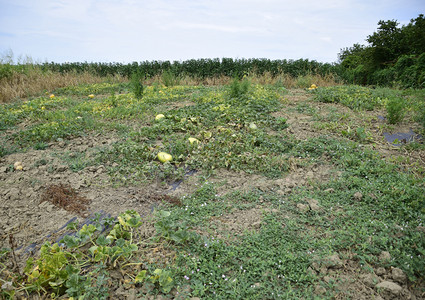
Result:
[303,208]
[380,271]
[370,279]
[398,275]
[166,198]
[333,262]
[314,204]
[358,196]
[319,290]
[384,257]
[389,289]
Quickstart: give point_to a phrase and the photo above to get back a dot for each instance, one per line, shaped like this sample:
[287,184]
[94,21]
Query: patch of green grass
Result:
[258,264]
[4,151]
[66,125]
[76,161]
[354,97]
[391,208]
[306,108]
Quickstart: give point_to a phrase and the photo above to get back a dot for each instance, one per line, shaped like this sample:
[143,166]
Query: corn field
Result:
[198,68]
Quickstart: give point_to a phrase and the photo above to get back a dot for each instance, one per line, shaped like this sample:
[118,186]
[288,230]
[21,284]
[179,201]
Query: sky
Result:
[129,30]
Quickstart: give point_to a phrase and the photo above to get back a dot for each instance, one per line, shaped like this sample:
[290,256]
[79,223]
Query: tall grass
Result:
[24,78]
[283,80]
[34,82]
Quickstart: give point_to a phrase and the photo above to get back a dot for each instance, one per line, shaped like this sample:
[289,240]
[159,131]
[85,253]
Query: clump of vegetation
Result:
[395,109]
[79,266]
[137,85]
[238,88]
[354,97]
[169,79]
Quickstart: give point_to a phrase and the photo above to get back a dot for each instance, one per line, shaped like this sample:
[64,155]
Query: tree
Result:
[414,35]
[393,54]
[386,43]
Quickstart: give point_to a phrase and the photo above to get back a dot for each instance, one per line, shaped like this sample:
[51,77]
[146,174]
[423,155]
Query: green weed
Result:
[78,266]
[169,79]
[137,85]
[354,97]
[238,88]
[395,110]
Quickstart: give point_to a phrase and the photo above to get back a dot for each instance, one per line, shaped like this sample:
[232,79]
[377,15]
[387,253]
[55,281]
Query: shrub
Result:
[169,78]
[239,88]
[136,85]
[395,109]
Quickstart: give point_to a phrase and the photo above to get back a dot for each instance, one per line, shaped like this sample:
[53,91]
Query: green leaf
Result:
[134,222]
[71,241]
[120,242]
[103,241]
[93,249]
[140,277]
[163,214]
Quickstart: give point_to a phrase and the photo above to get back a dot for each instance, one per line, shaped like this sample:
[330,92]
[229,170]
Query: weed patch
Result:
[354,97]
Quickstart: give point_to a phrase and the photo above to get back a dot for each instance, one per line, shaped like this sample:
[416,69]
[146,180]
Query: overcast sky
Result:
[131,30]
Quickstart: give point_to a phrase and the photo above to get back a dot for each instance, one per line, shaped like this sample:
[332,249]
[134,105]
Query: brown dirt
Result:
[34,201]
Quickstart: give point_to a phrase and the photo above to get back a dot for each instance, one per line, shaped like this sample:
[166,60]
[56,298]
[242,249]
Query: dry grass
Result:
[290,82]
[284,80]
[34,82]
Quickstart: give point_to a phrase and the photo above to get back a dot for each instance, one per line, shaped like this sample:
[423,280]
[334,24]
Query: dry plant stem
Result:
[66,197]
[12,244]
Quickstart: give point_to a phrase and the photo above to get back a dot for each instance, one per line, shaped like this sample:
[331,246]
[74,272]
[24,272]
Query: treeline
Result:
[198,68]
[394,56]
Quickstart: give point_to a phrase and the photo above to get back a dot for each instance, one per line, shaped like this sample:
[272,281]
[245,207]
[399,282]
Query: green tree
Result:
[393,54]
[414,35]
[386,43]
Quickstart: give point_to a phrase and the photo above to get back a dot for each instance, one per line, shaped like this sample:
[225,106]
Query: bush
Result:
[239,88]
[6,71]
[395,110]
[169,79]
[304,81]
[384,77]
[136,85]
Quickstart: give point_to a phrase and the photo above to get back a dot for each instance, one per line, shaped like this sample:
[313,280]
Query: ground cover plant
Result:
[268,192]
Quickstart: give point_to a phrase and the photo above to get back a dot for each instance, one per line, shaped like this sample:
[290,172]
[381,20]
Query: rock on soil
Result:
[314,204]
[370,280]
[389,289]
[398,275]
[333,262]
[385,257]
